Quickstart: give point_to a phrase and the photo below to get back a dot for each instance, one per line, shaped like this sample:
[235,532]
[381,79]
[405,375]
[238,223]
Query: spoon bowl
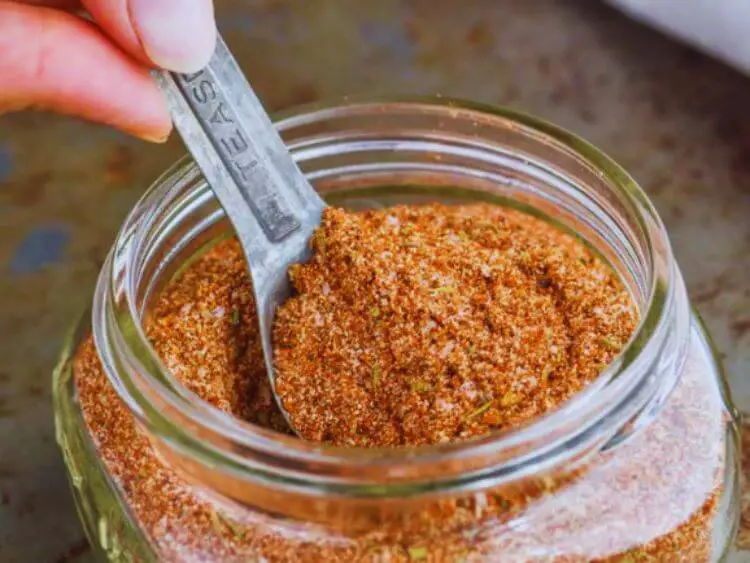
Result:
[271,205]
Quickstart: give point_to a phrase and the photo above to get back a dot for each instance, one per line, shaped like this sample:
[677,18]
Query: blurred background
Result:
[676,119]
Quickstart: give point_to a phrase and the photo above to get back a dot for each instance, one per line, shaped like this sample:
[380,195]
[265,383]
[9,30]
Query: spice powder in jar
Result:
[411,325]
[419,325]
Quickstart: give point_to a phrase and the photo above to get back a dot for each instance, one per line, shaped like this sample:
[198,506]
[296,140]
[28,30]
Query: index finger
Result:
[54,60]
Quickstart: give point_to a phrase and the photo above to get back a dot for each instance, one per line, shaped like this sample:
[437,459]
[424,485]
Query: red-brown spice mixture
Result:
[205,330]
[204,327]
[417,325]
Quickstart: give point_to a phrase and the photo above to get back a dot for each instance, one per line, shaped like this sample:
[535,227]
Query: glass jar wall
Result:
[642,465]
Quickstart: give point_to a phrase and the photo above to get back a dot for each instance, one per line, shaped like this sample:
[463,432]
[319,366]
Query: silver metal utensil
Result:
[271,205]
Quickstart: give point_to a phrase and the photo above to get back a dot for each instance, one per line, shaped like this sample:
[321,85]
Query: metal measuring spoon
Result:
[270,203]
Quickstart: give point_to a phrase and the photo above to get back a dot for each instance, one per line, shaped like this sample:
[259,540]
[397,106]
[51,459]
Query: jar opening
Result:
[415,148]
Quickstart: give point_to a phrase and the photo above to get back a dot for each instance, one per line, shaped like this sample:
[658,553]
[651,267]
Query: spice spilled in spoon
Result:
[271,205]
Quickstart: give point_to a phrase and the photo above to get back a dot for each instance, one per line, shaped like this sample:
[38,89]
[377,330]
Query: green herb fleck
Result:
[294,271]
[481,410]
[610,343]
[235,317]
[233,527]
[445,289]
[492,227]
[375,312]
[318,241]
[376,376]
[417,553]
[220,524]
[420,386]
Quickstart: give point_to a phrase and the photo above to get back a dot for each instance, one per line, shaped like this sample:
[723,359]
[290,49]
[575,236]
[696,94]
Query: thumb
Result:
[177,35]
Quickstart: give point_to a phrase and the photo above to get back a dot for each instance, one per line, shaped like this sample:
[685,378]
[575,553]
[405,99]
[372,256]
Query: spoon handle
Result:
[242,156]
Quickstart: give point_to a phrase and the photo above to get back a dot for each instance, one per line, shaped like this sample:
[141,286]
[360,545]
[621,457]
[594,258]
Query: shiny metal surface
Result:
[270,204]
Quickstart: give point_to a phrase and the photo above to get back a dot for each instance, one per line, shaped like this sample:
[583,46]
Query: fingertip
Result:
[177,35]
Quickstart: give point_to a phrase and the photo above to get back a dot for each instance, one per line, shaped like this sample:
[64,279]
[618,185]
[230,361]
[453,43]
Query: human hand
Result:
[53,59]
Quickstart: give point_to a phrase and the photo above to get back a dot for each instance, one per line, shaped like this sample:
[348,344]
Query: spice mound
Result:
[417,325]
[656,497]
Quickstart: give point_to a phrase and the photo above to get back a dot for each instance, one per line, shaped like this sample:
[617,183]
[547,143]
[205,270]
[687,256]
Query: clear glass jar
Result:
[640,466]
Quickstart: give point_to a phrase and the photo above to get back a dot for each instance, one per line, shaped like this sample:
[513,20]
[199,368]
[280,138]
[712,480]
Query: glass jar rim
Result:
[592,407]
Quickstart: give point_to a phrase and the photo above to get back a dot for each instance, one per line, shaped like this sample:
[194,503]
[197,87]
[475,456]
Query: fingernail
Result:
[178,35]
[159,138]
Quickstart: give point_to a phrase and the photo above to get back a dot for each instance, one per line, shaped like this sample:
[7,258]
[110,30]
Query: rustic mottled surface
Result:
[675,119]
